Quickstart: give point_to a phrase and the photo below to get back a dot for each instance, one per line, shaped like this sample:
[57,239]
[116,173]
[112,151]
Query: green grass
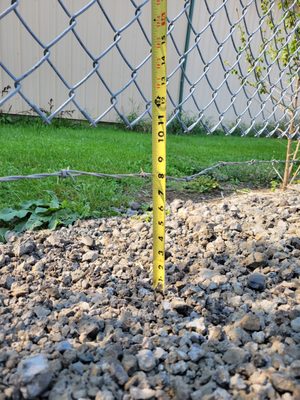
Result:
[33,148]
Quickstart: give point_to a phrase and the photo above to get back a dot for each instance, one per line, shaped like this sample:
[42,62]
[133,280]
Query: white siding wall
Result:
[18,51]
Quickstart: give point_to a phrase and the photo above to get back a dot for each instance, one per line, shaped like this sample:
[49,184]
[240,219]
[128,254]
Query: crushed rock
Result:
[79,318]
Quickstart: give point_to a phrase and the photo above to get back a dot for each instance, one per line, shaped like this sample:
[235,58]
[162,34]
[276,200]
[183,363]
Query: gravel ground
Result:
[79,319]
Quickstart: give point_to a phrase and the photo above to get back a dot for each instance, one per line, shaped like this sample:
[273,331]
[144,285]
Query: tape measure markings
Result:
[159,97]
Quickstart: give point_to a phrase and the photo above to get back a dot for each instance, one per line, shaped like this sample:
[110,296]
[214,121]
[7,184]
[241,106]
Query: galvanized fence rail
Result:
[238,69]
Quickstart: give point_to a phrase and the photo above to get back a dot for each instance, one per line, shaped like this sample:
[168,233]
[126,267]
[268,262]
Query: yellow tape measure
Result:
[159,117]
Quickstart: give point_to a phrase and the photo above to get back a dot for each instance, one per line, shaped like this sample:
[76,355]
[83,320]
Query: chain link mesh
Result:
[232,66]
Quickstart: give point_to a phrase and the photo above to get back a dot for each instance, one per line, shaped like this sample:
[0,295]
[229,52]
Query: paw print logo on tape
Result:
[159,101]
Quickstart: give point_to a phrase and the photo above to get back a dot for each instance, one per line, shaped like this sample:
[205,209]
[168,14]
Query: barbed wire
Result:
[71,173]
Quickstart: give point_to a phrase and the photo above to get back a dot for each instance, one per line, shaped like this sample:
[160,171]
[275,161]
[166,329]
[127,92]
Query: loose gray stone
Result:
[295,242]
[235,226]
[137,393]
[196,353]
[215,333]
[61,390]
[295,324]
[2,260]
[179,368]
[237,335]
[221,394]
[257,282]
[206,390]
[250,322]
[259,337]
[146,360]
[268,306]
[34,376]
[235,355]
[90,256]
[129,363]
[236,382]
[88,329]
[119,373]
[63,346]
[282,383]
[78,367]
[135,205]
[104,395]
[176,205]
[55,240]
[181,307]
[256,260]
[18,290]
[9,282]
[205,274]
[87,240]
[295,368]
[182,390]
[41,312]
[160,353]
[69,356]
[26,247]
[12,361]
[219,245]
[222,377]
[198,324]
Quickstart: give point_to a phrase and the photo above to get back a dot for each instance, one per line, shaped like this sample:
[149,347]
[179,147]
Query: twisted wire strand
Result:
[71,173]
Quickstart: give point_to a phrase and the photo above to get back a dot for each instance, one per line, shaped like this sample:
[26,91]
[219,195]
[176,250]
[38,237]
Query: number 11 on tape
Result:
[159,116]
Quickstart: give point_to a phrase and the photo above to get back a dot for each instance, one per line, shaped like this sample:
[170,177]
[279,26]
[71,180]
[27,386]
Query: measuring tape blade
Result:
[159,117]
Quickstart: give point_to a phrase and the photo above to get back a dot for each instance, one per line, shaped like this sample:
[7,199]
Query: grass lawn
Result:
[33,148]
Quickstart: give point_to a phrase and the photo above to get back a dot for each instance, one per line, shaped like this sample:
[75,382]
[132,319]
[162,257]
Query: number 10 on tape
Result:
[159,116]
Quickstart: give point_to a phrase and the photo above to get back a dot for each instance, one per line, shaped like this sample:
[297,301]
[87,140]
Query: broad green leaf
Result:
[9,214]
[35,214]
[66,217]
[2,234]
[54,203]
[35,221]
[53,223]
[30,203]
[70,219]
[41,210]
[20,227]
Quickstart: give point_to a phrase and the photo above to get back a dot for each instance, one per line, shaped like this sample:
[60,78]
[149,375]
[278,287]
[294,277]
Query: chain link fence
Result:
[233,66]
